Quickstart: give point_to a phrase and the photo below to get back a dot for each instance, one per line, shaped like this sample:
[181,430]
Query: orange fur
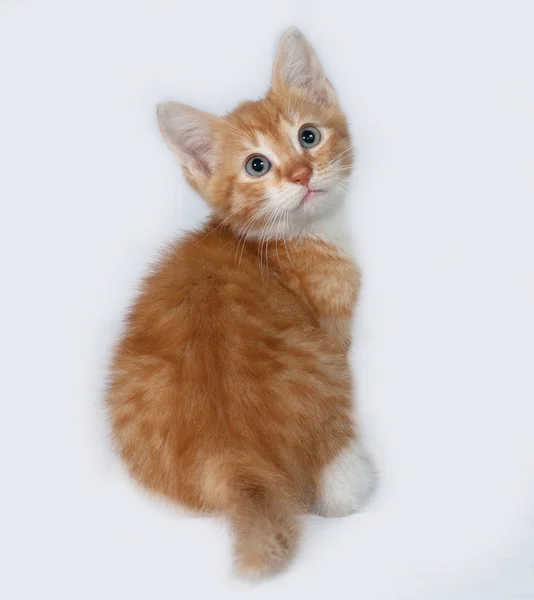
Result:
[230,389]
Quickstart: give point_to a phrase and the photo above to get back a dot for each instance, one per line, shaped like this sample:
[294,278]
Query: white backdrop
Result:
[441,100]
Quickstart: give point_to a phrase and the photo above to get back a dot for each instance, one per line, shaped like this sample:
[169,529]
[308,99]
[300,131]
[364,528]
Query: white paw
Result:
[346,482]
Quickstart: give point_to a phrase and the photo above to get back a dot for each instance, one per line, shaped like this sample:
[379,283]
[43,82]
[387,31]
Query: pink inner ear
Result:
[297,66]
[200,161]
[189,133]
[196,144]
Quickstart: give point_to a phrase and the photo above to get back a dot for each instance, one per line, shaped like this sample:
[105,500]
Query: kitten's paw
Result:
[346,482]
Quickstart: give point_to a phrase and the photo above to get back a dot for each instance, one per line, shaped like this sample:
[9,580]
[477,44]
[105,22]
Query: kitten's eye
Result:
[309,136]
[257,165]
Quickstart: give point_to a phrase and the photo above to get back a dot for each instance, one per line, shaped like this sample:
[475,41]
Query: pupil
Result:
[257,164]
[308,136]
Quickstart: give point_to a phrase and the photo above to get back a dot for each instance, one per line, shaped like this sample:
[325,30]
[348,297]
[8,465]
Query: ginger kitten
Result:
[230,389]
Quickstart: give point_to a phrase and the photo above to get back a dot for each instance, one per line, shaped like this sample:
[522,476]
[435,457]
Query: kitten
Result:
[230,390]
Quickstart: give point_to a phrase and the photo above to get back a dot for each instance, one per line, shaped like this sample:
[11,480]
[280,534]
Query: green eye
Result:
[257,165]
[309,136]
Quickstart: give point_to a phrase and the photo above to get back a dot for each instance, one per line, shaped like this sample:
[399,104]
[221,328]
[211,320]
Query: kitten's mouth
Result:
[309,194]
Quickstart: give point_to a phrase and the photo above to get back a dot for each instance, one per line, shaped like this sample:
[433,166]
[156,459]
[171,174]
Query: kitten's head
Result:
[273,166]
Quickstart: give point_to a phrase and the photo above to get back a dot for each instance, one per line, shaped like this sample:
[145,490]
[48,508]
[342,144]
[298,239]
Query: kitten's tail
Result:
[264,519]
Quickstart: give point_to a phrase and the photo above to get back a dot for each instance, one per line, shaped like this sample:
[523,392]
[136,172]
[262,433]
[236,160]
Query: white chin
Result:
[318,205]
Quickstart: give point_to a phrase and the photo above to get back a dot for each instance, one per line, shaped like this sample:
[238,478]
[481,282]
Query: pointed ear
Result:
[296,66]
[189,133]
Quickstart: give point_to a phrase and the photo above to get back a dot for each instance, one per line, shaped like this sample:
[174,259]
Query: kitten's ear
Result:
[189,133]
[296,66]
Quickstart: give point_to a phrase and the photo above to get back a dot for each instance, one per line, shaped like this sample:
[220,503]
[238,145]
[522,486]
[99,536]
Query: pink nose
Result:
[302,176]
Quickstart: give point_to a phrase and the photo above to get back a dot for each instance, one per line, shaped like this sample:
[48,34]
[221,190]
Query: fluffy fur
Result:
[230,389]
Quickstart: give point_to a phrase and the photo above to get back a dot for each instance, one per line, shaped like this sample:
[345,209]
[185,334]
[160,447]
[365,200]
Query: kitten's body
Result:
[231,390]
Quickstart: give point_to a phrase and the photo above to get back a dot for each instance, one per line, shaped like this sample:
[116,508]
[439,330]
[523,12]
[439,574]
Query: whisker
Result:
[276,246]
[241,132]
[341,181]
[228,216]
[244,235]
[265,240]
[285,245]
[349,149]
[340,189]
